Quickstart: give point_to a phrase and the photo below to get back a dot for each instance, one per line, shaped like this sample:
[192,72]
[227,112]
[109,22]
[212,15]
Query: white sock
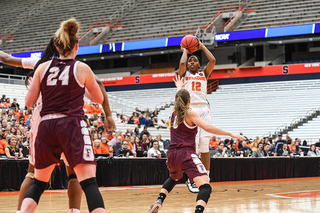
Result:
[18,211]
[74,211]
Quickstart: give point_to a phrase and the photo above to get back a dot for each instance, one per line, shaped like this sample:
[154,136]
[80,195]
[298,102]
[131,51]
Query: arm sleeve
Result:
[29,63]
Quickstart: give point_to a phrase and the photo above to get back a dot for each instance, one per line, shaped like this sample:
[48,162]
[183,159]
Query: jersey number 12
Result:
[196,86]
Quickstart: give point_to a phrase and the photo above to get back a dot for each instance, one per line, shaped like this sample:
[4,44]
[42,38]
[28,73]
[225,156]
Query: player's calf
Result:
[90,188]
[204,195]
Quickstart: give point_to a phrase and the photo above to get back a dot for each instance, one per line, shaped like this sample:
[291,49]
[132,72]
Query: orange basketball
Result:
[190,42]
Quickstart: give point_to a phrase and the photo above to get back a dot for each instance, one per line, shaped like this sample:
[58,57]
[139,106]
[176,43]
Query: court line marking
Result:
[124,188]
[281,194]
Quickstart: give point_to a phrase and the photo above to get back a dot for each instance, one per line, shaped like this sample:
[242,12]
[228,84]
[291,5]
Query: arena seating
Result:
[281,13]
[309,131]
[253,109]
[145,19]
[165,133]
[127,101]
[259,108]
[38,30]
[14,91]
[152,19]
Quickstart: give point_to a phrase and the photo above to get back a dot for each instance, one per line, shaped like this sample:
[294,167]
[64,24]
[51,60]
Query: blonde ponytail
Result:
[66,36]
[180,107]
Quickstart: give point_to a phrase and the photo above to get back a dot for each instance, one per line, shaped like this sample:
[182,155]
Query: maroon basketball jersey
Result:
[61,92]
[182,135]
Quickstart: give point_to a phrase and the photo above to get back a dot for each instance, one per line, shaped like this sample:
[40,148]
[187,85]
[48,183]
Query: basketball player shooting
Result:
[196,83]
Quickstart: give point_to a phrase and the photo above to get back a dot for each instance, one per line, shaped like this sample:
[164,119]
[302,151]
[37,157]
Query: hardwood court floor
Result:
[277,195]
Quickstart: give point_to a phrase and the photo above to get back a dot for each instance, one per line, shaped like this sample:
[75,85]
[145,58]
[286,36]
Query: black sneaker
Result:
[192,187]
[155,207]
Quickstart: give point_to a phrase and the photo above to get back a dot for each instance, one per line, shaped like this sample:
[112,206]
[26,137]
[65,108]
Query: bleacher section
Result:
[281,13]
[309,131]
[252,109]
[125,102]
[166,16]
[259,108]
[38,30]
[14,91]
[148,18]
[13,10]
[165,133]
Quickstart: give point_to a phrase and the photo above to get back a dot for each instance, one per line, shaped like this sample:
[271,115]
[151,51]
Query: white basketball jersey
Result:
[197,87]
[35,122]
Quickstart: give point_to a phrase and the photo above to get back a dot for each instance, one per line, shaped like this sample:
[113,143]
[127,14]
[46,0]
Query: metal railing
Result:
[294,121]
[273,24]
[12,79]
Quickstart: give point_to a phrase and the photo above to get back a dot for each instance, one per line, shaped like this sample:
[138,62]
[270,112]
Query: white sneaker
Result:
[192,187]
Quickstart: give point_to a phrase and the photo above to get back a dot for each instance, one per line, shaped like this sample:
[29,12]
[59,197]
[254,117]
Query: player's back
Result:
[61,90]
[197,87]
[182,135]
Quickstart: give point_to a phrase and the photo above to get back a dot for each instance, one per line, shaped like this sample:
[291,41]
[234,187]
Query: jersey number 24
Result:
[64,76]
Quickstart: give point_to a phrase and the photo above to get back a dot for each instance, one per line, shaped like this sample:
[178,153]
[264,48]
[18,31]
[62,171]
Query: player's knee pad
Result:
[90,188]
[72,176]
[169,184]
[204,144]
[204,192]
[36,189]
[30,175]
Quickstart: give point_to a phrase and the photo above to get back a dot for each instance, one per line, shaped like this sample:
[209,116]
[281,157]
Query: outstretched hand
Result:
[240,137]
[178,82]
[109,125]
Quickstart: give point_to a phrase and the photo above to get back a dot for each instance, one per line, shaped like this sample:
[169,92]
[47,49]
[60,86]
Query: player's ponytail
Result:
[66,36]
[180,107]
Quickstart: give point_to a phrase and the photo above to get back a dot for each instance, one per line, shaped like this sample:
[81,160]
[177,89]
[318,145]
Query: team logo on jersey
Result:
[200,73]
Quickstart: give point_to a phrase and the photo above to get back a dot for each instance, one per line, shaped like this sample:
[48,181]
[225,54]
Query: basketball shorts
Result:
[203,137]
[69,135]
[184,161]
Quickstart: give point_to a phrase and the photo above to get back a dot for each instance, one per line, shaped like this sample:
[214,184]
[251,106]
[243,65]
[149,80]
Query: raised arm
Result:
[183,62]
[86,77]
[34,90]
[109,124]
[9,60]
[212,60]
[194,117]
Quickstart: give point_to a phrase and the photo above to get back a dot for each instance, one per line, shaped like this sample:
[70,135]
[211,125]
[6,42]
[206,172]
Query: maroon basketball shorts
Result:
[184,160]
[67,134]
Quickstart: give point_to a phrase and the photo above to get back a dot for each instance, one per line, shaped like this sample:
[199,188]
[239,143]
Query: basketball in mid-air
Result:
[190,42]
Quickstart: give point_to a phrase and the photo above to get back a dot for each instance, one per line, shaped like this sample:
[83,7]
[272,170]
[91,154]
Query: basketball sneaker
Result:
[192,186]
[156,206]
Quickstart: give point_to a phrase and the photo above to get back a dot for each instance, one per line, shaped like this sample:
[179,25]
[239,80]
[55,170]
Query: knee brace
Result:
[90,188]
[169,184]
[30,175]
[36,189]
[204,192]
[72,176]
